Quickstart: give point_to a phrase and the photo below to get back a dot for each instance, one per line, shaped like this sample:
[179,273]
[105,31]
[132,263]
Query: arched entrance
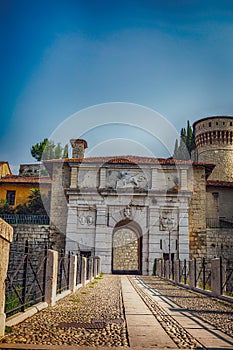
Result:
[126,248]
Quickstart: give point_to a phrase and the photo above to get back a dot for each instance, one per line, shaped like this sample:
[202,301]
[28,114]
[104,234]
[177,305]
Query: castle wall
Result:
[219,243]
[219,202]
[214,144]
[197,215]
[58,205]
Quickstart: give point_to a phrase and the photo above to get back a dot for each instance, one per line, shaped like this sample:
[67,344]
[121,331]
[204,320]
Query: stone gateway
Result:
[130,210]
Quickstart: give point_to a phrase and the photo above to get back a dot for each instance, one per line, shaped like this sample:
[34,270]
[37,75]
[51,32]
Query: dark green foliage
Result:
[5,207]
[38,149]
[183,149]
[48,150]
[21,209]
[65,151]
[37,204]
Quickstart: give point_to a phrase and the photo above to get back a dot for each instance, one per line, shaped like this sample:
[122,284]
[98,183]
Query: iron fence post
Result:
[220,277]
[68,271]
[203,273]
[44,271]
[25,267]
[185,272]
[195,272]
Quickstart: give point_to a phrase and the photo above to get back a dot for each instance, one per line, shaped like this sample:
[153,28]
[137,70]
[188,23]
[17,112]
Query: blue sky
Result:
[59,57]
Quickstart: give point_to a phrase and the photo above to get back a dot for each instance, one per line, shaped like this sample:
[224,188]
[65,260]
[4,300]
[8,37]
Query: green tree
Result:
[5,207]
[35,204]
[65,151]
[176,149]
[47,149]
[183,149]
[38,149]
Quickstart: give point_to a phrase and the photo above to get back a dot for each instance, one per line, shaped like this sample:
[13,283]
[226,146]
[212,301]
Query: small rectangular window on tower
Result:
[10,197]
[209,124]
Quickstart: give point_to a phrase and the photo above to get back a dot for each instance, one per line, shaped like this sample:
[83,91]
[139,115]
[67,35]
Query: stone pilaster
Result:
[6,236]
[183,180]
[72,230]
[58,206]
[101,248]
[154,179]
[154,238]
[74,177]
[183,242]
[102,177]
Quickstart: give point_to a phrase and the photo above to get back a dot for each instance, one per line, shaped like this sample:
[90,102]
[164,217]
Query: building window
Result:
[161,244]
[209,124]
[10,197]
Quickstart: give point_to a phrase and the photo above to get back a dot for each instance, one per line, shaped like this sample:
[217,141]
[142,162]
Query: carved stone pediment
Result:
[117,179]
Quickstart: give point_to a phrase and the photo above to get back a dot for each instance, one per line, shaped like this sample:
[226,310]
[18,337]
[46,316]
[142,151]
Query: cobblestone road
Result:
[214,311]
[93,316]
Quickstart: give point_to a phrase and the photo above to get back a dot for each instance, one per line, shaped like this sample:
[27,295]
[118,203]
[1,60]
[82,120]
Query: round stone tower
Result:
[214,144]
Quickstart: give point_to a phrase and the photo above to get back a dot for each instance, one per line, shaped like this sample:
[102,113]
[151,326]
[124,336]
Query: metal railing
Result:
[14,219]
[219,223]
[25,283]
[202,273]
[227,278]
[63,272]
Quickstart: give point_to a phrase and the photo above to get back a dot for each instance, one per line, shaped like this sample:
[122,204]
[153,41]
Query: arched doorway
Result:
[126,248]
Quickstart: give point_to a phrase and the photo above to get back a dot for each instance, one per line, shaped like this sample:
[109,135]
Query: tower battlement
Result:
[214,144]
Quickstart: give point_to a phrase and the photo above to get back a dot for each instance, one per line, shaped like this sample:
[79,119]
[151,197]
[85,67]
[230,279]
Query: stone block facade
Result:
[214,145]
[219,242]
[197,214]
[128,210]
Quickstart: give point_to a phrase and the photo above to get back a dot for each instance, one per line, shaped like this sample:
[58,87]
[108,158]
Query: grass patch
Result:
[98,278]
[83,292]
[8,329]
[76,300]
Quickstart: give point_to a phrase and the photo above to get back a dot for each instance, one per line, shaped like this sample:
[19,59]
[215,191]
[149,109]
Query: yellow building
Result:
[4,169]
[15,189]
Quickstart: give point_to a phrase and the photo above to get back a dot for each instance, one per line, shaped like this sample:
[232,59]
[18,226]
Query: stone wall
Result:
[6,234]
[219,243]
[197,215]
[58,206]
[223,158]
[125,251]
[33,233]
[214,144]
[219,202]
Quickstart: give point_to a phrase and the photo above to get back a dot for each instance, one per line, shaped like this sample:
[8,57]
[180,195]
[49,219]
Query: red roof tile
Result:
[25,179]
[129,160]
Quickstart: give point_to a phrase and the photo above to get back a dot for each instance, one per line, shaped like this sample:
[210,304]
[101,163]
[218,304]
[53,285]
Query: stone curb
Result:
[70,347]
[21,316]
